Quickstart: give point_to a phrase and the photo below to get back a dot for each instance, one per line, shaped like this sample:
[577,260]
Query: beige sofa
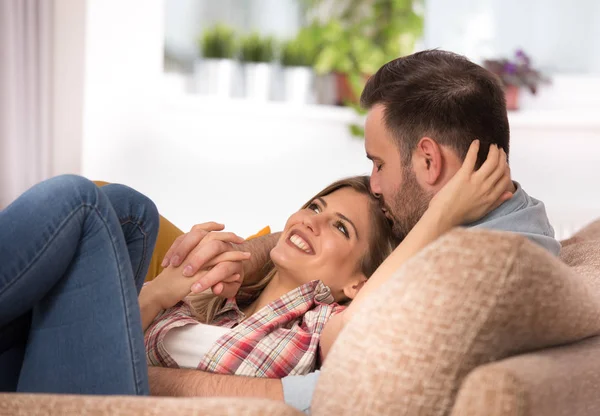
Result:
[478,323]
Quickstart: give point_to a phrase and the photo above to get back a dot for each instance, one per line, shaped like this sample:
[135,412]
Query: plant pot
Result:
[325,89]
[345,93]
[344,89]
[511,92]
[215,76]
[298,84]
[257,80]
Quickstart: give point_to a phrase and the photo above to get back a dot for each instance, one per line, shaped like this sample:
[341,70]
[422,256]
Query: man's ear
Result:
[428,161]
[352,288]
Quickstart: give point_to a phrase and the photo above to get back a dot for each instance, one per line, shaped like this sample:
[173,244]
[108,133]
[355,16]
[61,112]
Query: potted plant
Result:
[216,71]
[514,74]
[257,54]
[359,36]
[297,57]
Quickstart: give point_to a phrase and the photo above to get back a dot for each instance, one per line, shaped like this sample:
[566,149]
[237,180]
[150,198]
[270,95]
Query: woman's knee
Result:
[68,187]
[131,204]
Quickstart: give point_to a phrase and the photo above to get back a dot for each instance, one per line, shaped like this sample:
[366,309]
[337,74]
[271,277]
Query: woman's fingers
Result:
[471,157]
[490,164]
[184,244]
[222,272]
[213,245]
[499,172]
[171,251]
[229,256]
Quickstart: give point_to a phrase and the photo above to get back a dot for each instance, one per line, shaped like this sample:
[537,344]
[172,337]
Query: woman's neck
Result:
[273,291]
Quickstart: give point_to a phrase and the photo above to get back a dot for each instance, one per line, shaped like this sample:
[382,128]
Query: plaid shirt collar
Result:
[313,291]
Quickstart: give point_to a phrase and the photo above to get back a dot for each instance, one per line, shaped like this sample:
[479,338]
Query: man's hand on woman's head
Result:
[204,248]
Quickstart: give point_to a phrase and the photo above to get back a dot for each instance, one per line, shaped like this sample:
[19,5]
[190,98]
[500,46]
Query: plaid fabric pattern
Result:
[280,339]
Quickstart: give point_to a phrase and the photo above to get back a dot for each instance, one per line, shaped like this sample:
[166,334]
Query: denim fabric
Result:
[73,258]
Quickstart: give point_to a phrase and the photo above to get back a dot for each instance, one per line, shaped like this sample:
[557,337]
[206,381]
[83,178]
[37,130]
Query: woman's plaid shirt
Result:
[280,339]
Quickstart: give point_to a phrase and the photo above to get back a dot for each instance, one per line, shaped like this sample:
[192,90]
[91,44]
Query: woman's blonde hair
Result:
[205,305]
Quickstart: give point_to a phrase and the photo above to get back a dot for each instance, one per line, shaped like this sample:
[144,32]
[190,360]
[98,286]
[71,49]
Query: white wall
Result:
[69,36]
[247,165]
[123,74]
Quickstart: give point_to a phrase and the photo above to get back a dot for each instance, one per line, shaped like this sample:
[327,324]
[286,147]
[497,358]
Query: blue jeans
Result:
[73,258]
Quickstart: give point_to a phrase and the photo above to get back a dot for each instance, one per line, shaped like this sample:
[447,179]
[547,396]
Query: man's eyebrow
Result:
[342,216]
[371,157]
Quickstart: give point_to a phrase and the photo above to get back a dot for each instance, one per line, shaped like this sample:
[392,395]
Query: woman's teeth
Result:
[300,243]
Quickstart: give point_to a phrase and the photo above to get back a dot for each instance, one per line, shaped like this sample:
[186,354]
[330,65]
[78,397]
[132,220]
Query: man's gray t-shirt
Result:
[521,214]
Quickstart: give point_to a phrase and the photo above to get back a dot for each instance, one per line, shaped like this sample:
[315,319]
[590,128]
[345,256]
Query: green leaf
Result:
[357,131]
[357,37]
[218,42]
[255,48]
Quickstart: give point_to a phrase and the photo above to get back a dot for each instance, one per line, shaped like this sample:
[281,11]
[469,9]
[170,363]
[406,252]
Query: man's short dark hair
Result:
[441,95]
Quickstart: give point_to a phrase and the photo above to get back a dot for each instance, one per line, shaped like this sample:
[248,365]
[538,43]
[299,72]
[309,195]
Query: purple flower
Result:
[510,68]
[522,57]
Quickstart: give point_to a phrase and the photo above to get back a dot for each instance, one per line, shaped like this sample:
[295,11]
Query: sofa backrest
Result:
[550,382]
[470,298]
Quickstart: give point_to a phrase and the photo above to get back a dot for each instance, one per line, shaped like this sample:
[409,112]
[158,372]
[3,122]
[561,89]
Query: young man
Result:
[424,110]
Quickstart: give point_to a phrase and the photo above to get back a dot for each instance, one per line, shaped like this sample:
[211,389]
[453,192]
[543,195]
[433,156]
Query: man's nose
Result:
[375,188]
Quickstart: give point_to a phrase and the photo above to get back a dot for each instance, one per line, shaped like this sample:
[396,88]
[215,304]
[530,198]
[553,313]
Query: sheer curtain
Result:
[25,95]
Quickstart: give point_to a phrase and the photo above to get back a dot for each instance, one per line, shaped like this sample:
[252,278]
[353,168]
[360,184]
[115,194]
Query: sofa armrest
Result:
[551,382]
[71,405]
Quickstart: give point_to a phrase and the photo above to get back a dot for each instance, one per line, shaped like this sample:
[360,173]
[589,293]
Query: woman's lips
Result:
[300,242]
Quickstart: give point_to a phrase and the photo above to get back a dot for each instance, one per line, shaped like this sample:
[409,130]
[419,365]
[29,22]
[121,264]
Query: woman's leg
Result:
[65,261]
[139,221]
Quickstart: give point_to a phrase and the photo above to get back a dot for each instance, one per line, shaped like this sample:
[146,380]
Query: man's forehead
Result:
[374,145]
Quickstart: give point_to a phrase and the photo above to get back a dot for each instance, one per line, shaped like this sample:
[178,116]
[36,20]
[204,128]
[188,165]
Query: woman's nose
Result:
[312,222]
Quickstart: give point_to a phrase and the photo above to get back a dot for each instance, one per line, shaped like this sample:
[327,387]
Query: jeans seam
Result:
[127,323]
[139,226]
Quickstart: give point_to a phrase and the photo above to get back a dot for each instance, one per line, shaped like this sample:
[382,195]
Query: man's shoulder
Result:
[524,215]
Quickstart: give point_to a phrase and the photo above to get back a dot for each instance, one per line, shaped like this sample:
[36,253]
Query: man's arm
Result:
[183,382]
[260,248]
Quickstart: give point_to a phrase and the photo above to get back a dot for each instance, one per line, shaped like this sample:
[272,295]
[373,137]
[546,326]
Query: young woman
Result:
[272,329]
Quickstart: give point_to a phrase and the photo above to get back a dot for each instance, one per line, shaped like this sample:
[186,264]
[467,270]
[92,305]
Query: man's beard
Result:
[408,205]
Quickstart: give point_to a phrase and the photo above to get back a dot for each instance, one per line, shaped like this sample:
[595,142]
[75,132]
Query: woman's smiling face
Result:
[326,241]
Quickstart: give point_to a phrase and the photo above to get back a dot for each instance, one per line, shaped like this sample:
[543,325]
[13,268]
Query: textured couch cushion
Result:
[552,382]
[472,297]
[582,253]
[69,405]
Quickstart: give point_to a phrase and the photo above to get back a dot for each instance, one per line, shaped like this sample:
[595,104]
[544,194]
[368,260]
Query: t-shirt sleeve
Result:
[298,390]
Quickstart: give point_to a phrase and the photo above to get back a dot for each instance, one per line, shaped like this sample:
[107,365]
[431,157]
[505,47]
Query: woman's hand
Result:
[171,286]
[471,194]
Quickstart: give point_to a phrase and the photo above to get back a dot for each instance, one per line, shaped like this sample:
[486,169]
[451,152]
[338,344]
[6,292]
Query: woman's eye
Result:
[342,228]
[379,167]
[314,207]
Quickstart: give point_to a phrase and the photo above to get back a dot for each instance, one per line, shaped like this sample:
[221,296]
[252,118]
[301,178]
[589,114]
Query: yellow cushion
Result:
[167,233]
